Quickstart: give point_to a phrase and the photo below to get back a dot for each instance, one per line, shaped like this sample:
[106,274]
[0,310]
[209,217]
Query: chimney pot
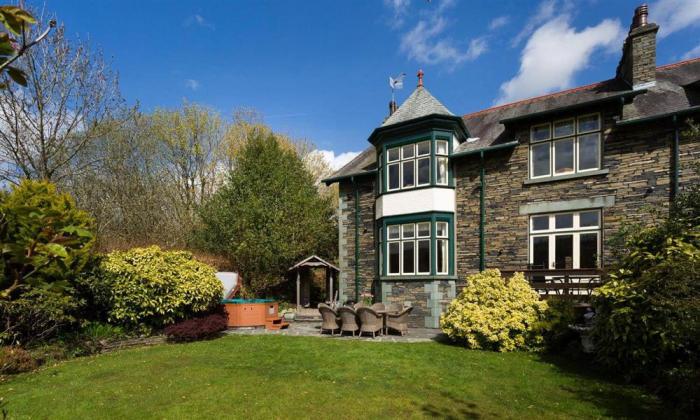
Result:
[641,14]
[392,107]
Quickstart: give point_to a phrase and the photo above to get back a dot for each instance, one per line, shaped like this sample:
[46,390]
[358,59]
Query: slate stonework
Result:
[639,160]
[346,226]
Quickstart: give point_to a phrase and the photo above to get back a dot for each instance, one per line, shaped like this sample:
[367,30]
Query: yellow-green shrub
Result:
[152,287]
[495,314]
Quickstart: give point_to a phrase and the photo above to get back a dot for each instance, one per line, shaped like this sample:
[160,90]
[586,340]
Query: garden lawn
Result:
[309,377]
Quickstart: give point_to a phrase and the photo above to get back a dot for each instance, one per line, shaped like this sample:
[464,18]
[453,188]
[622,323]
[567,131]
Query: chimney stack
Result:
[392,107]
[637,66]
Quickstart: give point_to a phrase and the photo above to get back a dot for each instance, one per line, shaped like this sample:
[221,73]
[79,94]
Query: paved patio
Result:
[311,329]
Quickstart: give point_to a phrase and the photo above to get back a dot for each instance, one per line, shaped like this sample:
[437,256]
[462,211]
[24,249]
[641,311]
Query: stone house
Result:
[538,184]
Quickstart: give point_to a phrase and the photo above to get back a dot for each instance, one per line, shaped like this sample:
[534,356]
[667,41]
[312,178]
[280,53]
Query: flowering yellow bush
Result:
[153,287]
[495,314]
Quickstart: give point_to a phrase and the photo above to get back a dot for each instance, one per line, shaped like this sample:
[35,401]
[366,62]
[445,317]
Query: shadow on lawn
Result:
[458,409]
[604,389]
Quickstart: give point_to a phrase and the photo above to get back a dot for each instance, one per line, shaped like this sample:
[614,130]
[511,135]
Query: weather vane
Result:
[396,83]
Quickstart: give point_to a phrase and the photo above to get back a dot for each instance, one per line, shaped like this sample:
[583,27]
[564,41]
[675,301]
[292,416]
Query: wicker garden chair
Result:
[348,320]
[394,307]
[329,317]
[379,306]
[370,321]
[399,321]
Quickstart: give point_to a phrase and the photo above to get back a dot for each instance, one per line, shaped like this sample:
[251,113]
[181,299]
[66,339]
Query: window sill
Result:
[426,277]
[604,171]
[422,187]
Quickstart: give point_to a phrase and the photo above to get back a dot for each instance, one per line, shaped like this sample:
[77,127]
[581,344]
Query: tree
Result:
[188,142]
[267,215]
[70,97]
[16,20]
[124,187]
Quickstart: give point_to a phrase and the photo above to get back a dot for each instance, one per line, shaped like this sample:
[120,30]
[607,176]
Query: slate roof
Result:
[674,91]
[419,104]
[677,88]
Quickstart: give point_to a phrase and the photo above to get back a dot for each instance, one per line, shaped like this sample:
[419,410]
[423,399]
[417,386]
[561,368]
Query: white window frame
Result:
[532,161]
[576,152]
[598,155]
[576,231]
[580,117]
[572,134]
[553,156]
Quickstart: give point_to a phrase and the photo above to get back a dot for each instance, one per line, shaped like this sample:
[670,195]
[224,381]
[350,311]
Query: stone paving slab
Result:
[312,329]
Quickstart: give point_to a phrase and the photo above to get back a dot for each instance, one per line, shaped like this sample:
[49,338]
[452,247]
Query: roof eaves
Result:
[408,123]
[621,95]
[688,110]
[334,179]
[486,149]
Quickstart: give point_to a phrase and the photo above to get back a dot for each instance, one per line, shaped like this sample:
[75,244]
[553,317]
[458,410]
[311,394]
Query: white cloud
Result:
[499,22]
[426,43]
[399,8]
[674,15]
[546,11]
[695,52]
[555,53]
[198,20]
[336,162]
[192,84]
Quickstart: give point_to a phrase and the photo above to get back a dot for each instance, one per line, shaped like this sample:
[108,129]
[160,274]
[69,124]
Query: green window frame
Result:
[417,245]
[420,161]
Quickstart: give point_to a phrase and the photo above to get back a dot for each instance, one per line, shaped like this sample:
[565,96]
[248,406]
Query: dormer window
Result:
[564,147]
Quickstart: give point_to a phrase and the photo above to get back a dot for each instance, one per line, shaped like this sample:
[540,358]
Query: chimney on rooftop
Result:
[637,66]
[392,107]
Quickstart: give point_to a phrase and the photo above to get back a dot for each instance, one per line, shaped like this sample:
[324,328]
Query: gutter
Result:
[688,110]
[482,213]
[625,94]
[676,159]
[334,179]
[482,191]
[509,145]
[357,239]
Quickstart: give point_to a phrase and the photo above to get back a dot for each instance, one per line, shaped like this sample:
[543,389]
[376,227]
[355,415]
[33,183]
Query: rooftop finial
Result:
[420,78]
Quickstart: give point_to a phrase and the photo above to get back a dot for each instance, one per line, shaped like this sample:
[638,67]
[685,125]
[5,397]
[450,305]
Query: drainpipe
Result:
[357,239]
[482,214]
[676,158]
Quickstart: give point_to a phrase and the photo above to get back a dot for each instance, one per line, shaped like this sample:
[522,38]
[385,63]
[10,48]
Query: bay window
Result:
[416,248]
[565,240]
[564,147]
[411,165]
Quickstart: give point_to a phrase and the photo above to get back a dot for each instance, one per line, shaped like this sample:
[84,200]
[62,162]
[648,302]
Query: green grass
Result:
[308,377]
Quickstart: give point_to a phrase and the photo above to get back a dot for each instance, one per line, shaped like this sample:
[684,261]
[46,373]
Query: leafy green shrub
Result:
[555,326]
[14,359]
[495,313]
[36,315]
[151,287]
[45,238]
[648,315]
[197,328]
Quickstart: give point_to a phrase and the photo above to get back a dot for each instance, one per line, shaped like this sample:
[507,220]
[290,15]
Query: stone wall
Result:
[639,163]
[638,158]
[346,237]
[429,299]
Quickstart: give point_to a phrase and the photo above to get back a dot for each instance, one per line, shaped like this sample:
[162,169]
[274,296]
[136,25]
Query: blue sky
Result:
[319,69]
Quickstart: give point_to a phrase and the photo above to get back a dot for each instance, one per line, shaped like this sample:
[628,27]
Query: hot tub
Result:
[249,312]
